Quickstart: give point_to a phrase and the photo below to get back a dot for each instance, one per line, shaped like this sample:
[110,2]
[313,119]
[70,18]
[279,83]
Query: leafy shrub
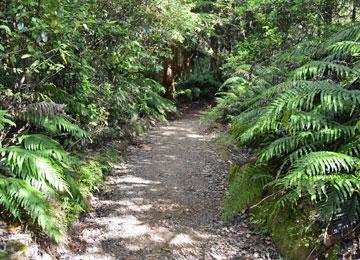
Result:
[70,73]
[306,128]
[200,85]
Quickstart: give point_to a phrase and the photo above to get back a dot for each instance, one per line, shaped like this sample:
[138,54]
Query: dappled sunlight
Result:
[131,224]
[132,179]
[150,205]
[124,206]
[171,157]
[182,240]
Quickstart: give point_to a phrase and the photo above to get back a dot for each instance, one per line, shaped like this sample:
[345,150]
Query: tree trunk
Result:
[354,11]
[328,9]
[169,79]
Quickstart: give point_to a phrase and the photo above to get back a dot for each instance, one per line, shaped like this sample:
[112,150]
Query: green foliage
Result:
[17,194]
[33,173]
[4,120]
[3,254]
[246,187]
[287,225]
[70,73]
[90,172]
[203,85]
[293,96]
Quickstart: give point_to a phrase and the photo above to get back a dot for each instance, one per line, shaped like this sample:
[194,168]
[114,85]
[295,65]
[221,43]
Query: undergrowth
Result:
[299,110]
[72,73]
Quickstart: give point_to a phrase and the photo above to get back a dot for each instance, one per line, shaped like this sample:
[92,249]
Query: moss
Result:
[245,188]
[16,246]
[4,255]
[292,230]
[15,250]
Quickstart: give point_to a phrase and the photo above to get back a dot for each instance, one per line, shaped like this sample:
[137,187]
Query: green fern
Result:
[30,165]
[32,173]
[306,127]
[320,69]
[16,194]
[345,49]
[4,119]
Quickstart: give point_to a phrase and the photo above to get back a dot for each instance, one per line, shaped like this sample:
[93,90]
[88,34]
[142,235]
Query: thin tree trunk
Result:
[169,79]
[354,11]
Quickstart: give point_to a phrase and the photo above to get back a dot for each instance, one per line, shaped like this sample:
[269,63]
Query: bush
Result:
[70,73]
[201,85]
[305,127]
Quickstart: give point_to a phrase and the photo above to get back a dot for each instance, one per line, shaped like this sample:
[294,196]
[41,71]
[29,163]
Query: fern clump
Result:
[35,174]
[305,127]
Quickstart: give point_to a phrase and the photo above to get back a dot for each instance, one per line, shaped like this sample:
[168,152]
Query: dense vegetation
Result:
[78,72]
[74,72]
[293,95]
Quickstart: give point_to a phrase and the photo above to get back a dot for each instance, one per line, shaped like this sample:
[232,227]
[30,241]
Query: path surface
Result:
[164,203]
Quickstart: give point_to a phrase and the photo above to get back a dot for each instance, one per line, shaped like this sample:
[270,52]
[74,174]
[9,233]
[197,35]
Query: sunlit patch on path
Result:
[163,203]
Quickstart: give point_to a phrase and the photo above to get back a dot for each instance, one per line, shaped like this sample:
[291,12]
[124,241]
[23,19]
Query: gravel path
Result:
[164,202]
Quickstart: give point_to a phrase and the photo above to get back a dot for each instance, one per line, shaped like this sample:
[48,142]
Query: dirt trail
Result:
[164,203]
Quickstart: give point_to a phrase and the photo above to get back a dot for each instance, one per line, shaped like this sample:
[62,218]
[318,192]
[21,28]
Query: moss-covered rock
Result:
[16,250]
[292,230]
[245,188]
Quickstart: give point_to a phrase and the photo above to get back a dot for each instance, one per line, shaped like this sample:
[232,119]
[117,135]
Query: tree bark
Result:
[354,10]
[169,79]
[180,63]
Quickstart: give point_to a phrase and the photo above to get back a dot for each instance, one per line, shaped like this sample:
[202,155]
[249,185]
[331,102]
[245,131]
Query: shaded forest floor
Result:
[164,202]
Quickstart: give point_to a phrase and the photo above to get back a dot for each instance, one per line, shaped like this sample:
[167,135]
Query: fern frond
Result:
[30,165]
[345,213]
[350,34]
[60,124]
[280,147]
[15,193]
[320,69]
[46,146]
[319,163]
[36,142]
[351,148]
[345,49]
[303,121]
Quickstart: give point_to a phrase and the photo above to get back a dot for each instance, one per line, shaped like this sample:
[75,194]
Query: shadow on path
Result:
[163,203]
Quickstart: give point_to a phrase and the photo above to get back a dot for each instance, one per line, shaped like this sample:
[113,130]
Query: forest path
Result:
[164,202]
